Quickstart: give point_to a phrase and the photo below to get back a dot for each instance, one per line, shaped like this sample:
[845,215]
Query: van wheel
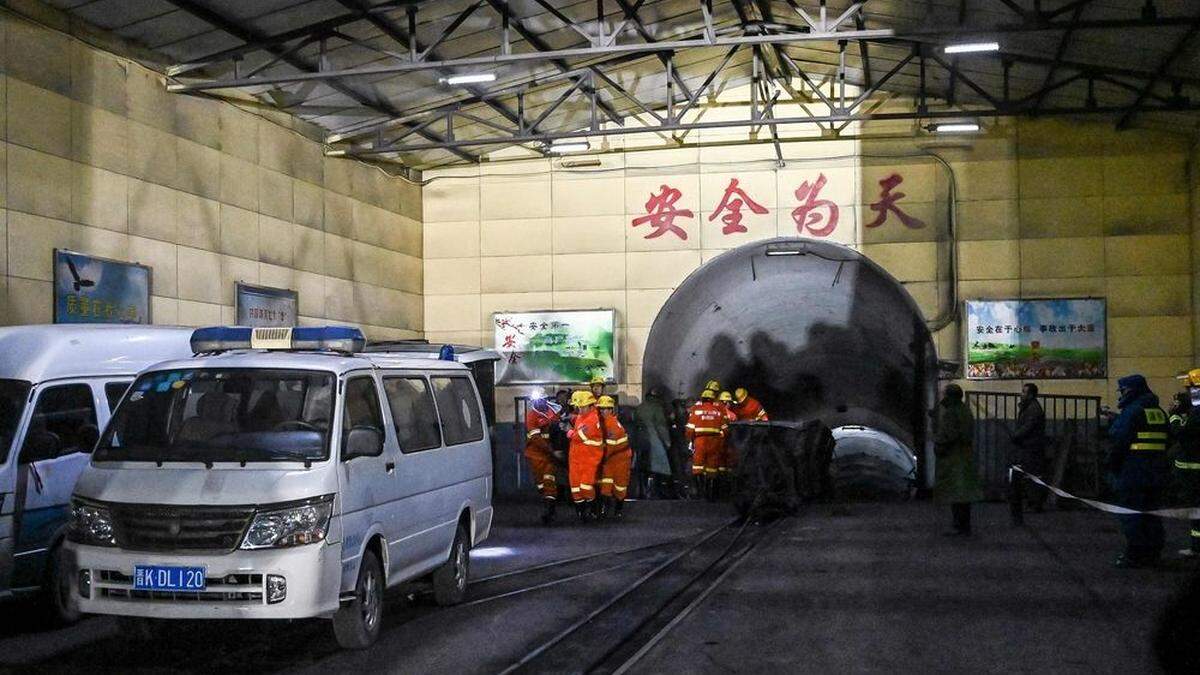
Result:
[356,624]
[59,588]
[450,580]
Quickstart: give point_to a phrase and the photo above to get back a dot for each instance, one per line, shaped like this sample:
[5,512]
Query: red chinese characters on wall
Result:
[732,202]
[887,204]
[818,216]
[813,216]
[661,213]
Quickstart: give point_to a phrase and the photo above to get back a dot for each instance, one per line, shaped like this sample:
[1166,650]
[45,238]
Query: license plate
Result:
[168,578]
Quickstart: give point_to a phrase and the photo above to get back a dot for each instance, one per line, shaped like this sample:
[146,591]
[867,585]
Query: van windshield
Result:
[222,415]
[13,396]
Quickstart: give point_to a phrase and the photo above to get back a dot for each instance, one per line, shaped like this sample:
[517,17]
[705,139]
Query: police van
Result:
[283,473]
[58,386]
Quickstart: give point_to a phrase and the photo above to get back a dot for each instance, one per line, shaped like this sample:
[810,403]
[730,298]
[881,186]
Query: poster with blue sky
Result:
[1036,339]
[96,290]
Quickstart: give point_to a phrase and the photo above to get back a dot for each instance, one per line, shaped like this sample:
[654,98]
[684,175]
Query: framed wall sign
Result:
[1062,338]
[88,289]
[555,347]
[266,306]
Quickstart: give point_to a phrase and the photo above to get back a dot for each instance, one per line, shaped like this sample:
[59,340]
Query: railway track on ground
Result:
[620,631]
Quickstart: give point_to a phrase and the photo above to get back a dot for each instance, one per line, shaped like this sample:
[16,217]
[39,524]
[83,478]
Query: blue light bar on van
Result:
[309,338]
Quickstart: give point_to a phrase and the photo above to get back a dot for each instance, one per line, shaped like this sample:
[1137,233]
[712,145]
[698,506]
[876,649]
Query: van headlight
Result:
[292,526]
[91,524]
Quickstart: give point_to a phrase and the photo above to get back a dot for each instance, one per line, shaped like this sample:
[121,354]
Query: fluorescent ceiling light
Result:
[955,127]
[470,78]
[569,146]
[968,47]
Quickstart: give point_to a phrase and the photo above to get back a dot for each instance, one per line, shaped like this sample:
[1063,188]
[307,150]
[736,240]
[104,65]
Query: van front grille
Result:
[171,528]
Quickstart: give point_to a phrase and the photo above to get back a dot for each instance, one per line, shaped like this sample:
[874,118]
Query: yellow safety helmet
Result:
[740,394]
[583,398]
[713,385]
[708,394]
[1191,378]
[598,379]
[606,402]
[726,397]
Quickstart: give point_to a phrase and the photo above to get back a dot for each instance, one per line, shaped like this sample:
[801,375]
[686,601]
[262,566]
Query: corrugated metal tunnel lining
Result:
[813,329]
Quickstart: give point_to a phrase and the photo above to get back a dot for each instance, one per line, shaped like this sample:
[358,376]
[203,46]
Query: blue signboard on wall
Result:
[88,289]
[265,306]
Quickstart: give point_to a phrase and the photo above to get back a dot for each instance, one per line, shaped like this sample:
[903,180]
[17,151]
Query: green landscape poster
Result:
[1042,339]
[555,347]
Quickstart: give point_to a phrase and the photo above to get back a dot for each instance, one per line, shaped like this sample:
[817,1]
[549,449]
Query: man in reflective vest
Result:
[747,408]
[586,452]
[706,432]
[617,460]
[1137,464]
[541,417]
[1185,423]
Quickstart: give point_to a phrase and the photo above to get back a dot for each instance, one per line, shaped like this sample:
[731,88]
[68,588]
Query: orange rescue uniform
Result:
[584,455]
[706,430]
[749,410]
[618,458]
[539,452]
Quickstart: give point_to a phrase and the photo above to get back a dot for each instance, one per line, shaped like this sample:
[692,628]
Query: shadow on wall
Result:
[824,334]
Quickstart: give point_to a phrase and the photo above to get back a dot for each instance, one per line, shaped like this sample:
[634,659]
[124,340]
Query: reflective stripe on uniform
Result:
[705,430]
[585,486]
[710,471]
[606,481]
[585,440]
[549,477]
[1196,533]
[619,488]
[619,441]
[1180,464]
[697,467]
[541,485]
[1148,446]
[575,489]
[1152,435]
[534,432]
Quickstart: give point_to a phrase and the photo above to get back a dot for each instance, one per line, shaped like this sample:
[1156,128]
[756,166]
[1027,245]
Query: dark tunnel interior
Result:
[812,329]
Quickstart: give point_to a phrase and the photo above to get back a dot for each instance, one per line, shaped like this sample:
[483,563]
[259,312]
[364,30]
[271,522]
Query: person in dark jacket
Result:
[1138,468]
[1029,444]
[1185,430]
[654,431]
[956,480]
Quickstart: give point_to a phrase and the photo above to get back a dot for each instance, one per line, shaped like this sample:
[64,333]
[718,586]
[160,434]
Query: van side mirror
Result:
[362,442]
[40,445]
[89,436]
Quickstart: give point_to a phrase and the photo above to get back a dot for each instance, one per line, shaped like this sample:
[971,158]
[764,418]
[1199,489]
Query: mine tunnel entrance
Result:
[814,330]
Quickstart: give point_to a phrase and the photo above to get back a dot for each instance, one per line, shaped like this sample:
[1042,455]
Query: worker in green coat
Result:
[956,481]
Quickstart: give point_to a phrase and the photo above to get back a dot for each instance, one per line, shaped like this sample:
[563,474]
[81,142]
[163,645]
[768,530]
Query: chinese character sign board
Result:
[96,290]
[555,347]
[262,306]
[1042,339]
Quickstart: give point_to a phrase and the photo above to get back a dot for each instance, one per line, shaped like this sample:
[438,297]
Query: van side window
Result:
[362,407]
[113,391]
[61,415]
[459,409]
[413,413]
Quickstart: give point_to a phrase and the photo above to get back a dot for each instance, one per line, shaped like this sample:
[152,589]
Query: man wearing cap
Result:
[746,407]
[1138,467]
[614,482]
[542,416]
[586,452]
[597,385]
[706,432]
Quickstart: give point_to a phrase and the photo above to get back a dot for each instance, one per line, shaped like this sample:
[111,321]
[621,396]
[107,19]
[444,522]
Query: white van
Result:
[58,385]
[283,474]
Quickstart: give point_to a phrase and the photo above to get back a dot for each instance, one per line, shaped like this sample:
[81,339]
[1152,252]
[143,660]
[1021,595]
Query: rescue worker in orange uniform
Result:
[617,459]
[585,453]
[747,408]
[597,385]
[542,415]
[706,432]
[726,463]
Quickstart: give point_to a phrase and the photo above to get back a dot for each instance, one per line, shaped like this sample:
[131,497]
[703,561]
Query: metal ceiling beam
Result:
[1180,47]
[1060,53]
[249,36]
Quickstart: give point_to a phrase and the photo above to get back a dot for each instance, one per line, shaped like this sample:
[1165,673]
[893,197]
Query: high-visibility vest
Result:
[1150,431]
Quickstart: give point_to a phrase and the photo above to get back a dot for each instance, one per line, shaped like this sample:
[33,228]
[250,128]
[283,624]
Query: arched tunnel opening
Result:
[814,330]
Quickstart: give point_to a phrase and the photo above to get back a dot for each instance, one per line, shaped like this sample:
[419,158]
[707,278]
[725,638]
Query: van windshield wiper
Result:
[244,456]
